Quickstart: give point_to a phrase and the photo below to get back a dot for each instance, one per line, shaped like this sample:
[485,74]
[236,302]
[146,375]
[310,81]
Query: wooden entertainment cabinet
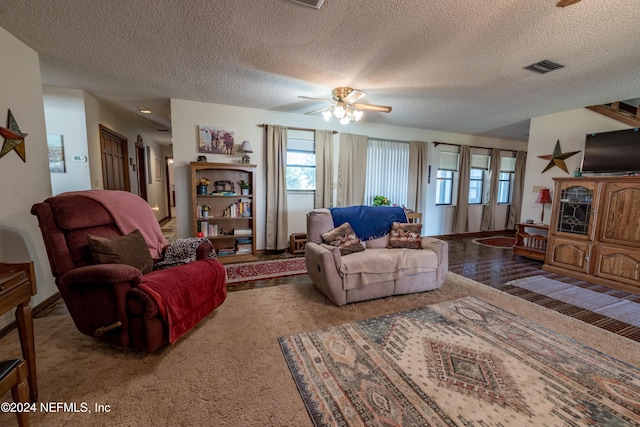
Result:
[594,233]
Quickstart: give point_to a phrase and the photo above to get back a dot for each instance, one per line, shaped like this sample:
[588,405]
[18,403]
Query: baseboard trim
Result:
[44,305]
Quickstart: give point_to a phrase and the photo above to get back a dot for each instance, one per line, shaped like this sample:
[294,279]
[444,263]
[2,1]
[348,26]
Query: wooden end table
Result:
[531,241]
[17,286]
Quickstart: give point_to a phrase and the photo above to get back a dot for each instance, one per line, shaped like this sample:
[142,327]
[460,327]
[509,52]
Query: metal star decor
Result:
[557,158]
[13,138]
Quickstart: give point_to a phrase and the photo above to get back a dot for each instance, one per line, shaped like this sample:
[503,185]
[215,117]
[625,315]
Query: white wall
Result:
[23,183]
[187,115]
[65,115]
[570,128]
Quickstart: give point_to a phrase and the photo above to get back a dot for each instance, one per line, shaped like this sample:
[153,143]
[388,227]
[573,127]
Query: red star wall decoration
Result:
[13,138]
[557,158]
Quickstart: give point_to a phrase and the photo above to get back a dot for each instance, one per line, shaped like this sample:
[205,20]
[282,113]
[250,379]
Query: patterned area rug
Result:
[260,270]
[169,230]
[504,242]
[462,362]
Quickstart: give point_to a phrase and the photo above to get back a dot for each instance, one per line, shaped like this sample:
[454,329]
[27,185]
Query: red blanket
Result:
[130,213]
[187,293]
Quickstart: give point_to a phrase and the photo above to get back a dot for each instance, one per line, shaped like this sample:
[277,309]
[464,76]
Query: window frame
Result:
[300,166]
[445,179]
[509,184]
[481,180]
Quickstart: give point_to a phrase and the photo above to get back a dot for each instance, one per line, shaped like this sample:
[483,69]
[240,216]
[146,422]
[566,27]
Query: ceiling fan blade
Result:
[320,110]
[354,95]
[372,107]
[565,3]
[317,99]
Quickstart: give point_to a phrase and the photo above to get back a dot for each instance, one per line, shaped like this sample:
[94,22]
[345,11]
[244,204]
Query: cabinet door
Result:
[569,253]
[574,214]
[616,263]
[620,214]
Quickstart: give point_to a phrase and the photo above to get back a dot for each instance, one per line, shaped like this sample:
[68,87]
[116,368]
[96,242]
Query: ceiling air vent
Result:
[311,3]
[543,67]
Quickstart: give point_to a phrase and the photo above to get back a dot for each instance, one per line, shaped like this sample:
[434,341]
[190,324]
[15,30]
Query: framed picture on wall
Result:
[158,168]
[55,144]
[215,140]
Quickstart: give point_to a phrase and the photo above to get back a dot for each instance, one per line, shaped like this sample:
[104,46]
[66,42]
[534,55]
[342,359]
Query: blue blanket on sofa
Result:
[368,222]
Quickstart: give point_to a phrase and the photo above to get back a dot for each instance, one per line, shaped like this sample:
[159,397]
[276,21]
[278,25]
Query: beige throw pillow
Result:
[405,235]
[344,238]
[130,249]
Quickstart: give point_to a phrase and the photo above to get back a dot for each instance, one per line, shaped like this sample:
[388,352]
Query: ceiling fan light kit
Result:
[344,107]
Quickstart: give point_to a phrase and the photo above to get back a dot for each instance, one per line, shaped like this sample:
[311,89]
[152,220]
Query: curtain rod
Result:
[264,125]
[436,143]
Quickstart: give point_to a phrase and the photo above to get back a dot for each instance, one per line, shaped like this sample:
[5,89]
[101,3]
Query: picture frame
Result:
[158,169]
[55,144]
[215,140]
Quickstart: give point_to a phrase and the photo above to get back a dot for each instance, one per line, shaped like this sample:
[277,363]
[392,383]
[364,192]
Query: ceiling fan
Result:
[565,3]
[344,106]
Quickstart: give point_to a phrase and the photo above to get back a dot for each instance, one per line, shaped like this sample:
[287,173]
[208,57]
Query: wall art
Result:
[55,144]
[215,140]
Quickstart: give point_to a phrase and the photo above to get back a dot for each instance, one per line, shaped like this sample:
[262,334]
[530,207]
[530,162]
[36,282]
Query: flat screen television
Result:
[615,152]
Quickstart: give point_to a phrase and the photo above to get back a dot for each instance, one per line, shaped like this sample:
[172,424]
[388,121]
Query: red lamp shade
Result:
[544,196]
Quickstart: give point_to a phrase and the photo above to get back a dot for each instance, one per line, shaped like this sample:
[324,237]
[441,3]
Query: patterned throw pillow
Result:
[405,235]
[344,238]
[130,249]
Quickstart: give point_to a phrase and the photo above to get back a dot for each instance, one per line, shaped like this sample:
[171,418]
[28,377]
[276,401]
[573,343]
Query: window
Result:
[507,168]
[444,187]
[387,171]
[447,167]
[504,187]
[476,185]
[479,168]
[301,161]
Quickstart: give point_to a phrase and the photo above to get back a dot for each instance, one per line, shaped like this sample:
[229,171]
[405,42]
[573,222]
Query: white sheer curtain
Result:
[417,185]
[461,213]
[387,171]
[277,221]
[489,212]
[515,209]
[324,169]
[351,167]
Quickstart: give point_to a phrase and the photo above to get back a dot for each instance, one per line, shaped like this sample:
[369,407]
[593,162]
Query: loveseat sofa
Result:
[376,271]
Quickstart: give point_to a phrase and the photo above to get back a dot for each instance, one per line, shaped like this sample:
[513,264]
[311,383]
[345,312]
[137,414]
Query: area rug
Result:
[607,305]
[461,362]
[504,242]
[169,230]
[260,270]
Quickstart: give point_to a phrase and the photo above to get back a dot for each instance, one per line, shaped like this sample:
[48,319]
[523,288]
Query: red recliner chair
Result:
[117,302]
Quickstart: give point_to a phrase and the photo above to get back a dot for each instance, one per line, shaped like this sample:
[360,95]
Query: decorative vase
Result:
[202,189]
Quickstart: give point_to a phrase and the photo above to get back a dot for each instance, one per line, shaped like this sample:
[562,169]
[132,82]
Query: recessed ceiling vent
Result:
[311,3]
[543,67]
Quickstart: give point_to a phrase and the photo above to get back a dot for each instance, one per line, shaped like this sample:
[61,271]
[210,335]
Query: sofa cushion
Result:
[380,242]
[405,235]
[344,238]
[130,249]
[381,265]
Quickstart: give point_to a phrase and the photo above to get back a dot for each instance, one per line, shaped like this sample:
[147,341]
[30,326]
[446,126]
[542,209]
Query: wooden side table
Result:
[17,286]
[530,242]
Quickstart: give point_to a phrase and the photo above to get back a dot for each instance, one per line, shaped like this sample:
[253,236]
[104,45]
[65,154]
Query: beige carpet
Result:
[229,371]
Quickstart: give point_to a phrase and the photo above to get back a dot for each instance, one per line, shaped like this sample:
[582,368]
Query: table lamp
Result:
[247,148]
[544,197]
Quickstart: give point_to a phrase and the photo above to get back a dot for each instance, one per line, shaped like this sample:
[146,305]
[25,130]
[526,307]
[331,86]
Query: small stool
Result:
[297,241]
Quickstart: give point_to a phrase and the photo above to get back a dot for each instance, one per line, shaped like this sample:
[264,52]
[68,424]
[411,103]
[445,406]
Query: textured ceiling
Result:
[454,65]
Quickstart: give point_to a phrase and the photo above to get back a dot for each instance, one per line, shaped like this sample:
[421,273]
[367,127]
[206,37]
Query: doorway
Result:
[114,153]
[171,187]
[142,168]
